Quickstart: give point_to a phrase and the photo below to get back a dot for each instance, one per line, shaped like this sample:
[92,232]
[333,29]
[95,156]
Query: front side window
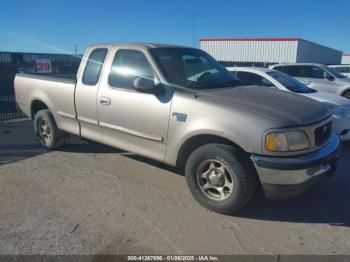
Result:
[128,65]
[313,72]
[249,78]
[193,68]
[94,66]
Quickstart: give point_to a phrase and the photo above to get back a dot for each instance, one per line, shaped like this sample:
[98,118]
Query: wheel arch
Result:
[37,105]
[345,91]
[195,141]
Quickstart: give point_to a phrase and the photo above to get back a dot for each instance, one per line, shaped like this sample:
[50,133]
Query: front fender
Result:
[247,138]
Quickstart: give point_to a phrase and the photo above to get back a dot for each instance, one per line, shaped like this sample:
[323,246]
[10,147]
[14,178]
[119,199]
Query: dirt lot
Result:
[93,199]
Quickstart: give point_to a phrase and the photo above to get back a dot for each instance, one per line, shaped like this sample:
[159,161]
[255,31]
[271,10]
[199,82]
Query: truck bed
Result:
[54,93]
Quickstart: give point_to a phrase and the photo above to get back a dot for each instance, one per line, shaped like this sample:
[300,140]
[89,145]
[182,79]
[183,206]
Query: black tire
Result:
[56,137]
[236,163]
[347,94]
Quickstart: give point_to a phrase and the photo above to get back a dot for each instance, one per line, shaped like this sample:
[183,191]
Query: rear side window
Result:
[127,65]
[293,70]
[289,70]
[94,66]
[279,68]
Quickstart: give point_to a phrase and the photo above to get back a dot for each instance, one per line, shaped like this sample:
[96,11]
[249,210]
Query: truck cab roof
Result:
[137,45]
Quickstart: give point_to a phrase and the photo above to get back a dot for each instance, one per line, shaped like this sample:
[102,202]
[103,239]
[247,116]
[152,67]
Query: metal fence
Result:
[9,109]
[12,62]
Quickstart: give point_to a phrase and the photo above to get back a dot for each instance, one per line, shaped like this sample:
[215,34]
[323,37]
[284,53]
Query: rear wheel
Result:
[220,178]
[46,130]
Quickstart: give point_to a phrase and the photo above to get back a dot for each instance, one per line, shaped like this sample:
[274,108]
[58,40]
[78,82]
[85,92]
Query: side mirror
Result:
[328,76]
[144,84]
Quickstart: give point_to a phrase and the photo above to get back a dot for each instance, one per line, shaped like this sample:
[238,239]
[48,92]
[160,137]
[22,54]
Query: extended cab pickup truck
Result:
[179,106]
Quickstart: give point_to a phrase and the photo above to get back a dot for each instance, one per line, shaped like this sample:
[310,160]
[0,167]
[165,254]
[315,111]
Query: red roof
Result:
[251,39]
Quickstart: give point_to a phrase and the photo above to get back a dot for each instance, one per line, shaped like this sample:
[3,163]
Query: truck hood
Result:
[328,98]
[286,108]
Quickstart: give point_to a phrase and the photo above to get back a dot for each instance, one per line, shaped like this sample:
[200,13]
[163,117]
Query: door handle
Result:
[105,101]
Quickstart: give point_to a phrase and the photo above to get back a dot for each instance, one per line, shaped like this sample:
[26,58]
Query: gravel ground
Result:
[92,199]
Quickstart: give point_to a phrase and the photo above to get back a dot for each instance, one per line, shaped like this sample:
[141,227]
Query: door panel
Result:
[131,120]
[136,122]
[319,84]
[314,77]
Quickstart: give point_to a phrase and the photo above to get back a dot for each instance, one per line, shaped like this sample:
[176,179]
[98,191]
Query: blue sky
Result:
[56,26]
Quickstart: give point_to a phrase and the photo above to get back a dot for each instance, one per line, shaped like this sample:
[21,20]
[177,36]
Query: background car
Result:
[343,69]
[272,78]
[318,76]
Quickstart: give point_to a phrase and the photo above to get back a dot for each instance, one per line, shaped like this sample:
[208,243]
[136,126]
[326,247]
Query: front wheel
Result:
[347,94]
[219,178]
[46,130]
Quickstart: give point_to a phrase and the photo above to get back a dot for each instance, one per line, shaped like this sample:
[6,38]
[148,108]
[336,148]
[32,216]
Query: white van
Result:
[265,77]
[344,69]
[318,76]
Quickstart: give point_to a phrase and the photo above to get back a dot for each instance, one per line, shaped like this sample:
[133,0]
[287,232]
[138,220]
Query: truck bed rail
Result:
[64,78]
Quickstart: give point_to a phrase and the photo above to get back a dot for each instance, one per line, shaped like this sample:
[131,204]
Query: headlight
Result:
[286,141]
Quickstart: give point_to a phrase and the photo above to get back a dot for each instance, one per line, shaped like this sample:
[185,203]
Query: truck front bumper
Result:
[286,177]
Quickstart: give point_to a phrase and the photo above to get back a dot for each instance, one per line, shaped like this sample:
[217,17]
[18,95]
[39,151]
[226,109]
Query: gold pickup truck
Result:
[179,106]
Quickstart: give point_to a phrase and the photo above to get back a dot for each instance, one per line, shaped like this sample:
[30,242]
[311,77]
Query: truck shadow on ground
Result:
[322,205]
[326,203]
[16,143]
[96,148]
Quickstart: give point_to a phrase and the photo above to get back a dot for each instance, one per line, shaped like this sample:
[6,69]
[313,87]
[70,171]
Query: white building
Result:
[266,51]
[345,59]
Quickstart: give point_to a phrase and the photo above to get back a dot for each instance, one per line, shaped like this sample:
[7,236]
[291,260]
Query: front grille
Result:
[323,133]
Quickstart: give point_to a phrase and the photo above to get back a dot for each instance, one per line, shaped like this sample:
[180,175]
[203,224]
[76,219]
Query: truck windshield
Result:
[289,82]
[192,68]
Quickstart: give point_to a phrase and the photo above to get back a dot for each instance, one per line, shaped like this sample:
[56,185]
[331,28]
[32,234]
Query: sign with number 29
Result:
[43,66]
